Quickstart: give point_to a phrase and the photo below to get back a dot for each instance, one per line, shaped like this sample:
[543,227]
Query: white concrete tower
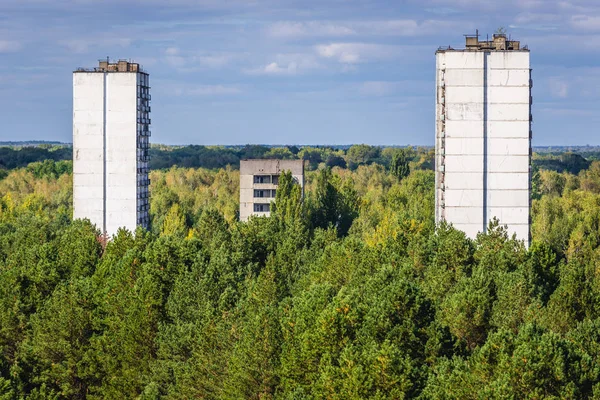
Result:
[110,145]
[483,135]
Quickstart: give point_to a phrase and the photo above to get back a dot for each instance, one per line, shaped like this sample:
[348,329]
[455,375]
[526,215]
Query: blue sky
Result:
[287,71]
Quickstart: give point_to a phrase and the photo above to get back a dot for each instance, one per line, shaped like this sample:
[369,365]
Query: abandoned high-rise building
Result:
[111,131]
[483,135]
[258,184]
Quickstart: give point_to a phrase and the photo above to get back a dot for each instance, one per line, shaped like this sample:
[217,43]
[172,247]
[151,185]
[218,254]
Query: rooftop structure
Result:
[111,132]
[483,135]
[258,184]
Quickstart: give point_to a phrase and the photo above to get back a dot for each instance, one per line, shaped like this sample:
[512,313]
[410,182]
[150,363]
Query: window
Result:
[273,193]
[261,208]
[262,178]
[275,180]
[264,193]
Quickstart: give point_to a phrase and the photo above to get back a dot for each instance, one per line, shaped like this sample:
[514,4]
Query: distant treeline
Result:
[17,157]
[216,157]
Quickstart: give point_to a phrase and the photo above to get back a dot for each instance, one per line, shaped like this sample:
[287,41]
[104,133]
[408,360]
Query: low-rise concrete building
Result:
[258,184]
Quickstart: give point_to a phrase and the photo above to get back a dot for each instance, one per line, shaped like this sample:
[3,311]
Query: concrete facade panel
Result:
[509,215]
[460,60]
[91,210]
[88,155]
[465,180]
[124,143]
[122,168]
[118,182]
[463,77]
[271,167]
[520,230]
[122,205]
[508,112]
[467,163]
[89,118]
[81,166]
[508,129]
[464,146]
[509,77]
[464,94]
[464,111]
[89,192]
[122,156]
[508,95]
[471,230]
[516,181]
[505,147]
[464,215]
[506,164]
[464,198]
[464,129]
[84,180]
[508,60]
[495,181]
[508,198]
[89,142]
[95,216]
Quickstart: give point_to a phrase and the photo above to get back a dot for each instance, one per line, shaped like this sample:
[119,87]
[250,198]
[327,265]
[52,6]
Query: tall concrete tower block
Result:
[259,180]
[111,132]
[483,135]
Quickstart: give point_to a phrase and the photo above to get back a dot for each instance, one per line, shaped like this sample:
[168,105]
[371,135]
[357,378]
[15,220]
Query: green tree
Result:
[399,166]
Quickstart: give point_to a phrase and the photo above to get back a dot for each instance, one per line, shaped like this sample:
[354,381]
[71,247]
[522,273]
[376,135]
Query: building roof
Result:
[499,42]
[120,66]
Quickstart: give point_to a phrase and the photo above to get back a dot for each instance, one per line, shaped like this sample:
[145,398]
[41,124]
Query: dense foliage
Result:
[351,292]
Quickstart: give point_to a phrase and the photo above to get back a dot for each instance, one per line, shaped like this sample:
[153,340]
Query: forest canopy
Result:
[350,292]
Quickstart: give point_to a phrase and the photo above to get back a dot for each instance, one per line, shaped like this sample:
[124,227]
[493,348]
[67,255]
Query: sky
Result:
[291,71]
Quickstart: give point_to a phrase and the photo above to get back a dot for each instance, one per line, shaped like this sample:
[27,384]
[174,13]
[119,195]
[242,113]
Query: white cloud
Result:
[212,90]
[173,58]
[81,46]
[558,87]
[291,29]
[275,68]
[564,43]
[354,53]
[378,88]
[389,88]
[487,5]
[205,90]
[585,22]
[215,61]
[394,27]
[287,64]
[190,61]
[9,46]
